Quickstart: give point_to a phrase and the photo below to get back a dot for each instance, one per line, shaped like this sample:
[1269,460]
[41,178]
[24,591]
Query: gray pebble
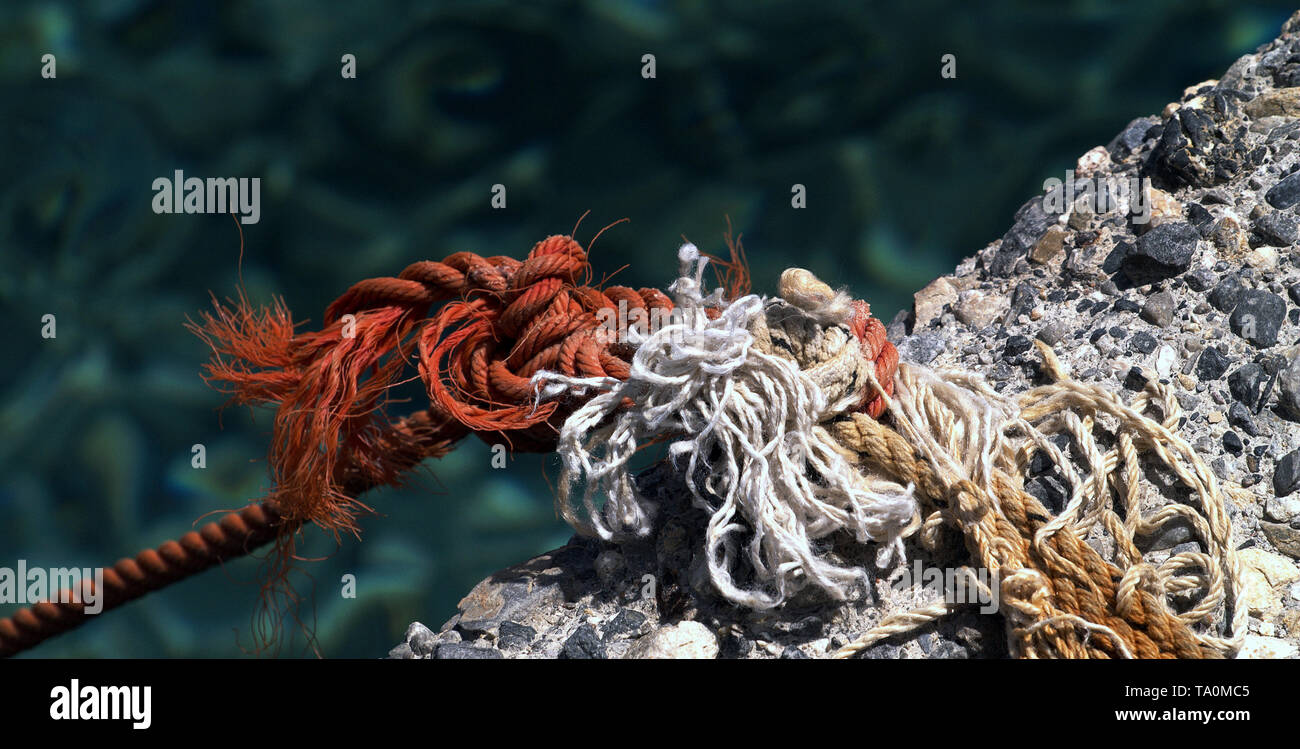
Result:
[515,636]
[1211,365]
[1282,509]
[583,644]
[1277,229]
[881,651]
[1240,418]
[1283,537]
[1247,384]
[625,622]
[1162,252]
[1258,317]
[402,652]
[1175,532]
[1159,309]
[1288,387]
[1143,342]
[922,348]
[463,651]
[1286,474]
[1052,333]
[1226,294]
[421,639]
[1200,279]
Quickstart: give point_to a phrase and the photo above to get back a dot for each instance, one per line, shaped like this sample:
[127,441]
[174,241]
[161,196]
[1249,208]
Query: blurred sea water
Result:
[906,173]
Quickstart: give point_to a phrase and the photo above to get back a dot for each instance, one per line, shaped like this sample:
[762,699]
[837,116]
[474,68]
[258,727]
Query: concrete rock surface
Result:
[1204,296]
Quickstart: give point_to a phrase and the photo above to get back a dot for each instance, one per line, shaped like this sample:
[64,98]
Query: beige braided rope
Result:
[967,448]
[1061,598]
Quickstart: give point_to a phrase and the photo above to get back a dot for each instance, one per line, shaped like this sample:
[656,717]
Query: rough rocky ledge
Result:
[1204,295]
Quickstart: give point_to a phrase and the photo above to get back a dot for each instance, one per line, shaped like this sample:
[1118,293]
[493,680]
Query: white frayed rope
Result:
[744,415]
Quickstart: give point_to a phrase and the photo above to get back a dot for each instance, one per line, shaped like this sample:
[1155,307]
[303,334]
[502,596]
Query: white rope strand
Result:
[747,419]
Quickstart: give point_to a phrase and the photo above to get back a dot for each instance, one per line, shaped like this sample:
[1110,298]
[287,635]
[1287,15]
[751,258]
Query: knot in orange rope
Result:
[501,322]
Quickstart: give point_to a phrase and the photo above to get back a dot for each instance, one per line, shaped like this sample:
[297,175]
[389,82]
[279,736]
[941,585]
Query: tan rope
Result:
[1062,599]
[966,448]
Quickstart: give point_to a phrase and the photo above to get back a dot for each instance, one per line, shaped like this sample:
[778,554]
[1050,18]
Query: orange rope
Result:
[502,321]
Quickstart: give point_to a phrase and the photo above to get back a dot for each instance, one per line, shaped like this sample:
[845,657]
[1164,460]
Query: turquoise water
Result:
[905,173]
